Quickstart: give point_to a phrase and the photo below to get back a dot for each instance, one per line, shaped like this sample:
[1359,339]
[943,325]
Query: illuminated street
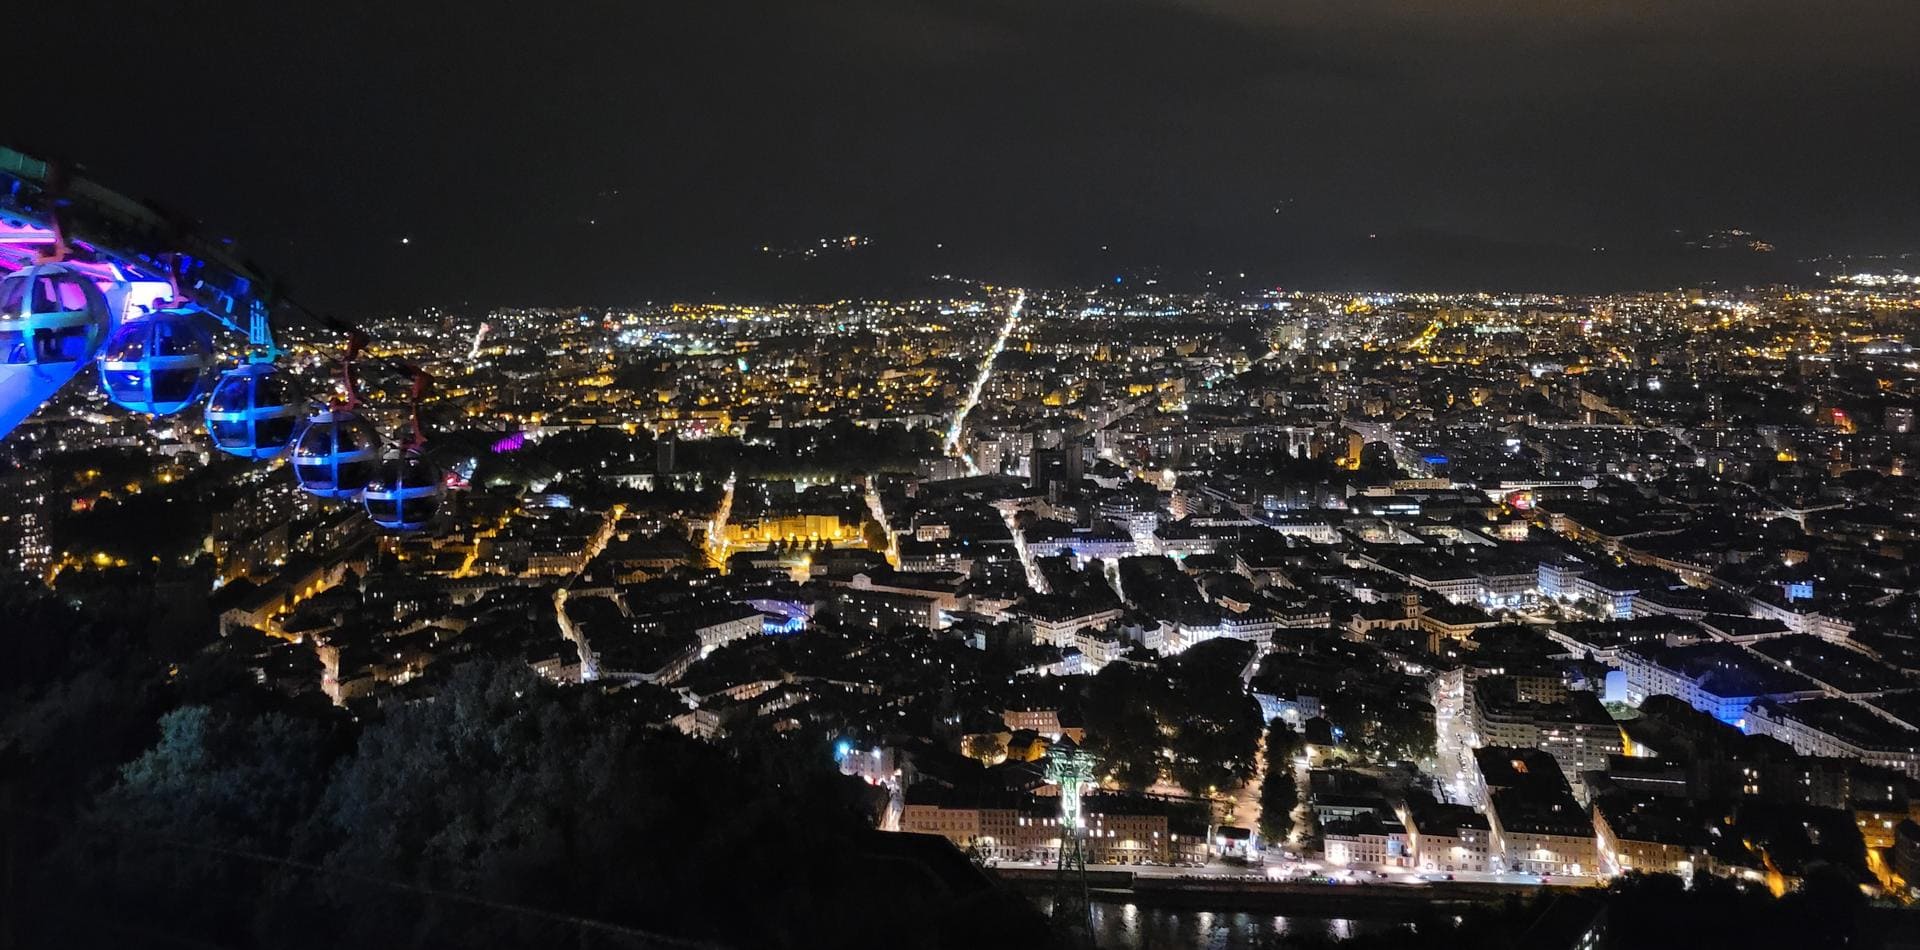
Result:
[980,382]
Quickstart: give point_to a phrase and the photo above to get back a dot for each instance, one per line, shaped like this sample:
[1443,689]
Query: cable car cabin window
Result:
[349,439]
[172,339]
[315,476]
[13,296]
[42,293]
[418,510]
[273,430]
[231,433]
[175,385]
[51,315]
[45,345]
[271,389]
[124,380]
[65,294]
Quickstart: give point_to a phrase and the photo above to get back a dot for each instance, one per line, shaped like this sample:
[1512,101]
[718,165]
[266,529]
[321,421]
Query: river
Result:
[1128,926]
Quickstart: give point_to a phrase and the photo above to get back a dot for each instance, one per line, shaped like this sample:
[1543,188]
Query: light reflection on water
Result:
[1134,927]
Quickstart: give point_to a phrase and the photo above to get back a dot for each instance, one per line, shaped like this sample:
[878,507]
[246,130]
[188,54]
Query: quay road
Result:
[1295,874]
[1221,887]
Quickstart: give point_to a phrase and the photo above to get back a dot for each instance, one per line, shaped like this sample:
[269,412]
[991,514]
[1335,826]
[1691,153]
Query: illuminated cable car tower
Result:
[1072,770]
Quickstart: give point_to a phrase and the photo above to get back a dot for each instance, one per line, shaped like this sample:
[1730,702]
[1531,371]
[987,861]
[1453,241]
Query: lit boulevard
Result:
[955,431]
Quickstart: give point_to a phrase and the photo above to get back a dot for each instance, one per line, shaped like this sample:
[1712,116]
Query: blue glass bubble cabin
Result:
[254,411]
[405,494]
[336,454]
[157,363]
[50,314]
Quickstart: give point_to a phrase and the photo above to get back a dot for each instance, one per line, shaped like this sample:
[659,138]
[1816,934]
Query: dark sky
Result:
[611,152]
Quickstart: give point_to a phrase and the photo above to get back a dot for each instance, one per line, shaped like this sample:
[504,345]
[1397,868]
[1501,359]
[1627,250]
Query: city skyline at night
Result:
[614,154]
[943,475]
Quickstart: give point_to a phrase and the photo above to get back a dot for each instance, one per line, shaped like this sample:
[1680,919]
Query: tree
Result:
[1214,724]
[1404,733]
[1122,730]
[1192,719]
[515,790]
[499,809]
[1279,793]
[1384,728]
[1214,739]
[200,811]
[79,692]
[1310,836]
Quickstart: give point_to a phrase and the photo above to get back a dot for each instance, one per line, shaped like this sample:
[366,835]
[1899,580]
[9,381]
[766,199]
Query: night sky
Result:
[384,155]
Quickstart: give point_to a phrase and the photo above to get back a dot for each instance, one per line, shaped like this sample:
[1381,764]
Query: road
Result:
[980,382]
[1278,870]
[1035,579]
[589,661]
[717,528]
[877,509]
[1454,746]
[1243,804]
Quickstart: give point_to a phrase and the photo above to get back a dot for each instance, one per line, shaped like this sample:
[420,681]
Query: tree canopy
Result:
[503,810]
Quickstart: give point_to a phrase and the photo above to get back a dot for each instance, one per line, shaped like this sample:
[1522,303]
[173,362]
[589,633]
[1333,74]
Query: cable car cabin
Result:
[254,411]
[336,454]
[50,314]
[404,495]
[157,363]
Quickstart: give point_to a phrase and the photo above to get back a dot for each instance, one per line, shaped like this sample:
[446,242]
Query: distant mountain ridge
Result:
[1407,260]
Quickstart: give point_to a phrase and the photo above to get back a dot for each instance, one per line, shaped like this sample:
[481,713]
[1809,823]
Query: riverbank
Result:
[1383,902]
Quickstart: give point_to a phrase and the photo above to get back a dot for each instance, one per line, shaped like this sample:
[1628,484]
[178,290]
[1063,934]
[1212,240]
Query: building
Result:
[1839,728]
[712,627]
[1447,838]
[1059,624]
[1537,826]
[1045,720]
[1571,726]
[1368,840]
[1008,826]
[1719,679]
[1652,834]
